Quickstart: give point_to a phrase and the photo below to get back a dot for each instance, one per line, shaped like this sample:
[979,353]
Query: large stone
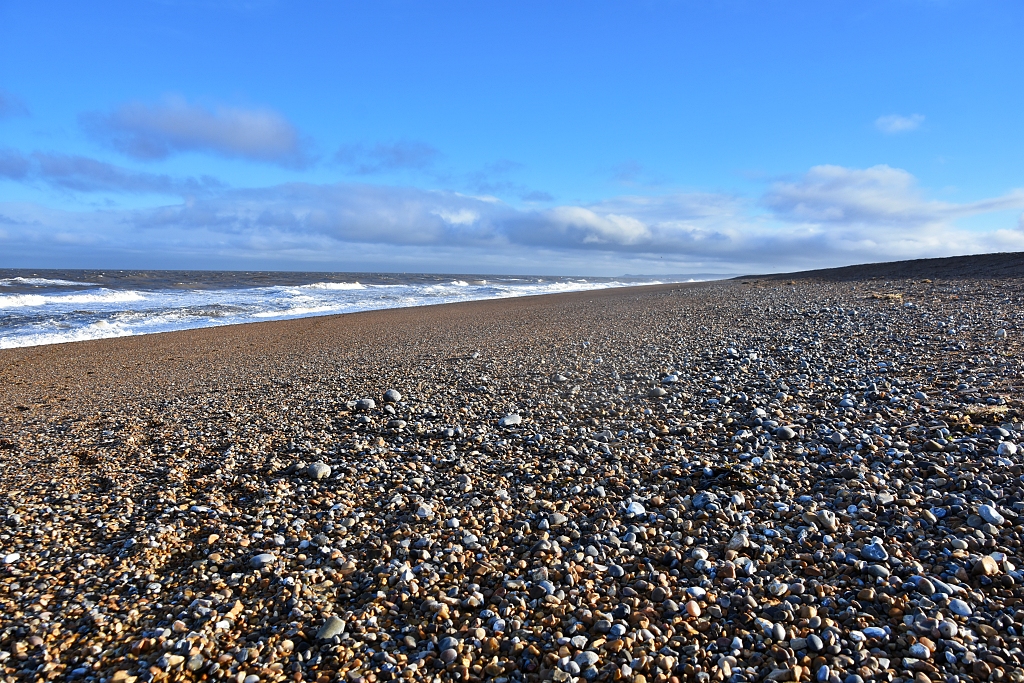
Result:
[828,521]
[991,515]
[262,560]
[986,566]
[785,433]
[318,470]
[332,627]
[875,552]
[960,608]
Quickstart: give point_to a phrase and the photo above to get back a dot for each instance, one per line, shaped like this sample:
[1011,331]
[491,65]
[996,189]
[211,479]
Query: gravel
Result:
[829,489]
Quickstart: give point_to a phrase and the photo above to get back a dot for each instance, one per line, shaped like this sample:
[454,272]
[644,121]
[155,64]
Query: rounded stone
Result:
[318,470]
[262,560]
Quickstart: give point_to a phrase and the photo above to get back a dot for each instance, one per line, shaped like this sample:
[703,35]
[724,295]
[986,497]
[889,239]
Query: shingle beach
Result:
[808,477]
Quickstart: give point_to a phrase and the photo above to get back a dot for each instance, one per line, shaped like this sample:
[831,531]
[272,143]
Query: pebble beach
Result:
[811,477]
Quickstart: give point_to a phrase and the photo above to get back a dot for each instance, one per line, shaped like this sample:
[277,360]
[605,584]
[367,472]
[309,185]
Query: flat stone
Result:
[332,627]
[991,515]
[262,560]
[960,608]
[874,551]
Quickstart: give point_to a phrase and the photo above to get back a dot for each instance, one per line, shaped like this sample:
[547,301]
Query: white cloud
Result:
[895,123]
[460,217]
[586,227]
[156,131]
[830,215]
[879,197]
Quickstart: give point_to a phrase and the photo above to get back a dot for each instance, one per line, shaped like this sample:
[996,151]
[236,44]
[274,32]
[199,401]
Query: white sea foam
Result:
[100,329]
[104,296]
[297,311]
[334,286]
[34,319]
[40,282]
[19,300]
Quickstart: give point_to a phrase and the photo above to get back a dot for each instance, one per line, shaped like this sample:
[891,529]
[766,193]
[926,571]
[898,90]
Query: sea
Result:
[57,306]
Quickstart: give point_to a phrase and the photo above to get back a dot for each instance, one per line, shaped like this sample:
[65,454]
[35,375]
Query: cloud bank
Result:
[830,215]
[156,131]
[83,174]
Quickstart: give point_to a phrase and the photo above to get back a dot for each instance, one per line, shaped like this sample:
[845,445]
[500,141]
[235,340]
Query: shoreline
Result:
[270,315]
[751,479]
[144,350]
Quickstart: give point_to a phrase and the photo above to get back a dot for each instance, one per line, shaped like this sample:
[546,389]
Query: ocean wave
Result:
[333,286]
[298,310]
[40,282]
[104,296]
[100,329]
[21,300]
[28,319]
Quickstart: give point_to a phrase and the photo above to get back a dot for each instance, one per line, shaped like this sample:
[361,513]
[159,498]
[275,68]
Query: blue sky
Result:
[548,137]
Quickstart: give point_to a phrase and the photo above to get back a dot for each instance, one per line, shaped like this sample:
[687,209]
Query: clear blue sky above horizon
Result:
[591,138]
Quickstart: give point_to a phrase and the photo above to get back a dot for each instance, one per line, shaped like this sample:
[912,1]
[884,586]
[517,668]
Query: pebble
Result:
[960,608]
[874,551]
[319,470]
[828,520]
[262,560]
[332,627]
[785,433]
[830,487]
[991,515]
[985,566]
[635,509]
[920,651]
